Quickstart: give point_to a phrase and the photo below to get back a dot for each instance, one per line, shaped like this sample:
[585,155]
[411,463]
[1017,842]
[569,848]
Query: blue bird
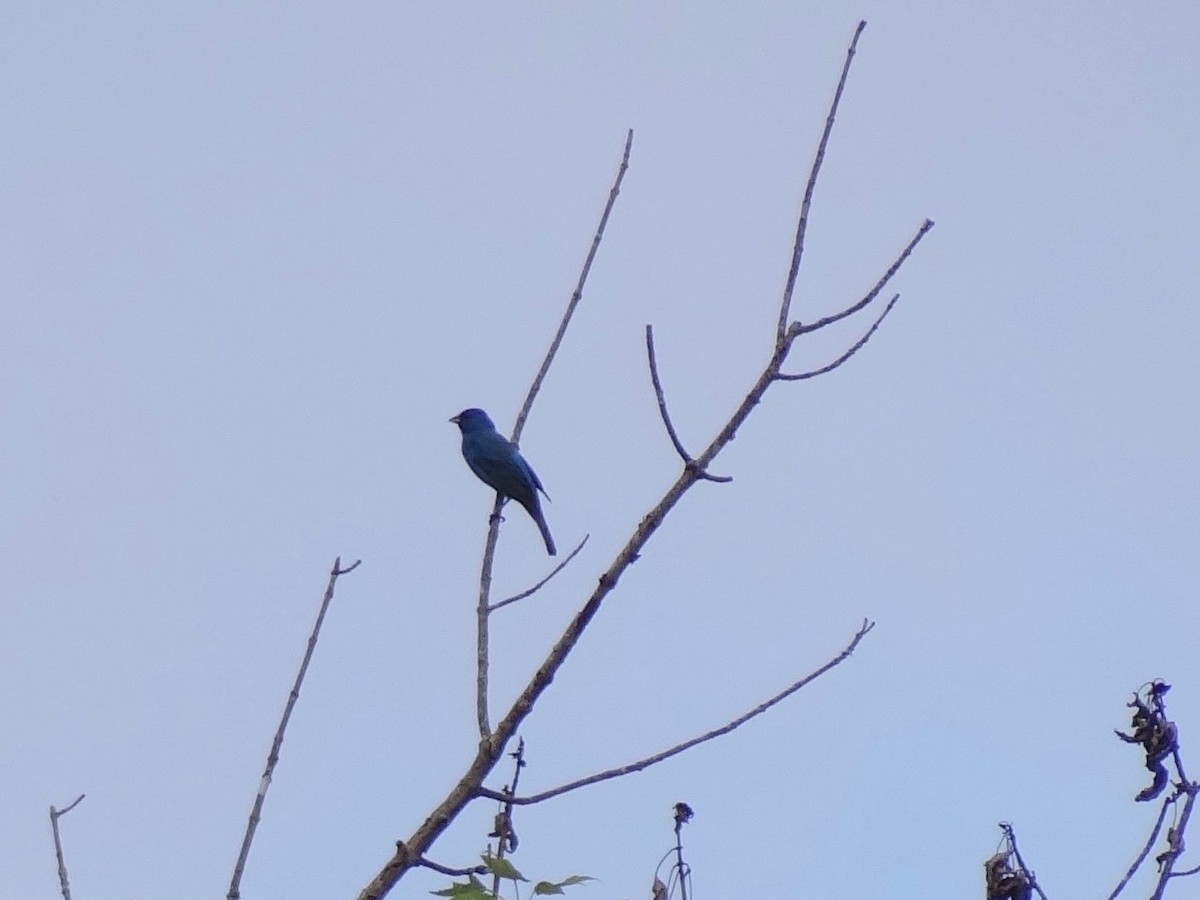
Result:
[499,465]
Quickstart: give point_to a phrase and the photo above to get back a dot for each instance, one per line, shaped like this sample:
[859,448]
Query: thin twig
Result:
[1012,842]
[707,736]
[506,837]
[578,294]
[273,757]
[666,416]
[452,872]
[809,187]
[482,606]
[526,593]
[1175,835]
[683,814]
[1175,841]
[858,345]
[799,328]
[1141,857]
[55,815]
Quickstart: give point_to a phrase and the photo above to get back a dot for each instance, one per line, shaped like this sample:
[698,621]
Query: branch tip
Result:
[656,758]
[521,596]
[689,462]
[810,186]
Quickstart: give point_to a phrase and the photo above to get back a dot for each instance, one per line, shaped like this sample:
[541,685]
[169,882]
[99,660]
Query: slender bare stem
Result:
[55,815]
[1012,842]
[526,593]
[273,757]
[483,605]
[452,872]
[682,869]
[481,621]
[666,416]
[1141,857]
[1175,840]
[802,225]
[578,294]
[656,758]
[854,348]
[503,832]
[874,291]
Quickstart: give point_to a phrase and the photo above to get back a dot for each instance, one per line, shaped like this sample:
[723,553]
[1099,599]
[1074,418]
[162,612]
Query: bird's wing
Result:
[537,482]
[497,463]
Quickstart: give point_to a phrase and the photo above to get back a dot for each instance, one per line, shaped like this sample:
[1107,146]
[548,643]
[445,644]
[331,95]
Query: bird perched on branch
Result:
[499,465]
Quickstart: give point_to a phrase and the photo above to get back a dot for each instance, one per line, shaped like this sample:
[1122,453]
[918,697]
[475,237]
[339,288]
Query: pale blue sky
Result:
[254,257]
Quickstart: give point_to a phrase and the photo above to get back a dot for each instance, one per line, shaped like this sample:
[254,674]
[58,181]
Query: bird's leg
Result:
[496,516]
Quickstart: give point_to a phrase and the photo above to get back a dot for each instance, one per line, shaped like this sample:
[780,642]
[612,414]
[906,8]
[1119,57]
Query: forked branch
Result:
[493,740]
[809,187]
[656,758]
[666,416]
[56,814]
[484,606]
[528,592]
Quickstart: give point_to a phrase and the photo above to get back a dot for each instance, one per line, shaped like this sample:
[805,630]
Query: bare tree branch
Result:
[648,761]
[874,291]
[666,416]
[273,757]
[493,742]
[526,593]
[55,815]
[1175,841]
[578,295]
[482,607]
[1141,857]
[858,345]
[453,873]
[802,225]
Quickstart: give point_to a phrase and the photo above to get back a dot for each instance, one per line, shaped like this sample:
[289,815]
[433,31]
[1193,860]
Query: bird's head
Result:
[472,420]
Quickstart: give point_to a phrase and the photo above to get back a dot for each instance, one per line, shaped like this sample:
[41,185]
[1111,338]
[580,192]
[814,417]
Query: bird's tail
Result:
[535,512]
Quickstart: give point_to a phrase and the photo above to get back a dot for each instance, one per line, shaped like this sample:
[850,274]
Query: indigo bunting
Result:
[499,465]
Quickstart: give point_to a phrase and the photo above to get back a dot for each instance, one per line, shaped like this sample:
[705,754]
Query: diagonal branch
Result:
[874,292]
[802,226]
[666,416]
[447,870]
[521,596]
[1141,857]
[493,535]
[577,295]
[1175,841]
[648,761]
[277,743]
[858,345]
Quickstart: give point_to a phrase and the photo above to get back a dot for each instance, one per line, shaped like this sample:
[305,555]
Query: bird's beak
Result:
[453,419]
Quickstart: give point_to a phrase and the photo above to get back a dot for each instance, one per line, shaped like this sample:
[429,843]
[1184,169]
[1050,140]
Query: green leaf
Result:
[556,887]
[468,890]
[503,868]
